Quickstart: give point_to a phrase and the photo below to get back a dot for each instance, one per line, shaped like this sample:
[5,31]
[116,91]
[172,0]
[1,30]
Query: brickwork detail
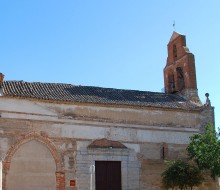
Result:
[60,176]
[60,180]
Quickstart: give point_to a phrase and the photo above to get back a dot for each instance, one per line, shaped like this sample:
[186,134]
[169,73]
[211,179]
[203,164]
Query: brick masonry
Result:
[183,59]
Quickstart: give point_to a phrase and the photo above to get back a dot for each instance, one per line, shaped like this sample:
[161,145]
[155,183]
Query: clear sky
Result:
[108,43]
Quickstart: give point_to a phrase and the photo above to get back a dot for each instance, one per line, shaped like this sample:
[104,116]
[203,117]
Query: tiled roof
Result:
[105,143]
[89,94]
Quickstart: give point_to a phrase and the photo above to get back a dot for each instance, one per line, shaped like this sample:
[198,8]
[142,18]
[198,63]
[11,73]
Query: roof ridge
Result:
[174,36]
[34,82]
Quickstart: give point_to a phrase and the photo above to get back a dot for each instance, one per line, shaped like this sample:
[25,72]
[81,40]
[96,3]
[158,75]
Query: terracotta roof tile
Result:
[105,143]
[89,94]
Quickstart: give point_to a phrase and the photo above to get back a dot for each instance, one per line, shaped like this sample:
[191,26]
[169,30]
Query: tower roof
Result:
[174,36]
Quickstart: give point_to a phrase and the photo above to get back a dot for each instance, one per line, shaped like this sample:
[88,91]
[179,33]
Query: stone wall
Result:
[66,130]
[207,116]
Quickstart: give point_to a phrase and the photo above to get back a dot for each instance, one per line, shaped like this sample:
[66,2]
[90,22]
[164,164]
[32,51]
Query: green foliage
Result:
[204,149]
[182,175]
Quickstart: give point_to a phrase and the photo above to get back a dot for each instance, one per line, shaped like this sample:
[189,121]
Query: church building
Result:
[57,136]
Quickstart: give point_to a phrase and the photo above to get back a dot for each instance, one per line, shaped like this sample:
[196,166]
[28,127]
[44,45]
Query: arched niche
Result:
[33,163]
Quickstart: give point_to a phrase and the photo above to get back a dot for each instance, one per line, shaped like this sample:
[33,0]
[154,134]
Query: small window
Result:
[164,151]
[171,82]
[180,78]
[174,51]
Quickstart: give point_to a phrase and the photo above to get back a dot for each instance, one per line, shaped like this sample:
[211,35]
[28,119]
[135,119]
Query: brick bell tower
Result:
[180,72]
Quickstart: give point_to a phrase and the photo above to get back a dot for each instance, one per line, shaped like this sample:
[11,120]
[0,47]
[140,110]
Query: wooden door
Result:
[108,175]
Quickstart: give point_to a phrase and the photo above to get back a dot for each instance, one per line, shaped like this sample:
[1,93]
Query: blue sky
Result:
[112,43]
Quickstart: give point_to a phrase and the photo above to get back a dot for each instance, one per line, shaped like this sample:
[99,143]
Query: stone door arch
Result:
[46,148]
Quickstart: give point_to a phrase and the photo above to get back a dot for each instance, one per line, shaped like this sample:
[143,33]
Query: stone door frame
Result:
[130,166]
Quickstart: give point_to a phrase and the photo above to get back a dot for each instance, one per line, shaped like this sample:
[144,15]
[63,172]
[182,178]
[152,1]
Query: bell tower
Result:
[180,72]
